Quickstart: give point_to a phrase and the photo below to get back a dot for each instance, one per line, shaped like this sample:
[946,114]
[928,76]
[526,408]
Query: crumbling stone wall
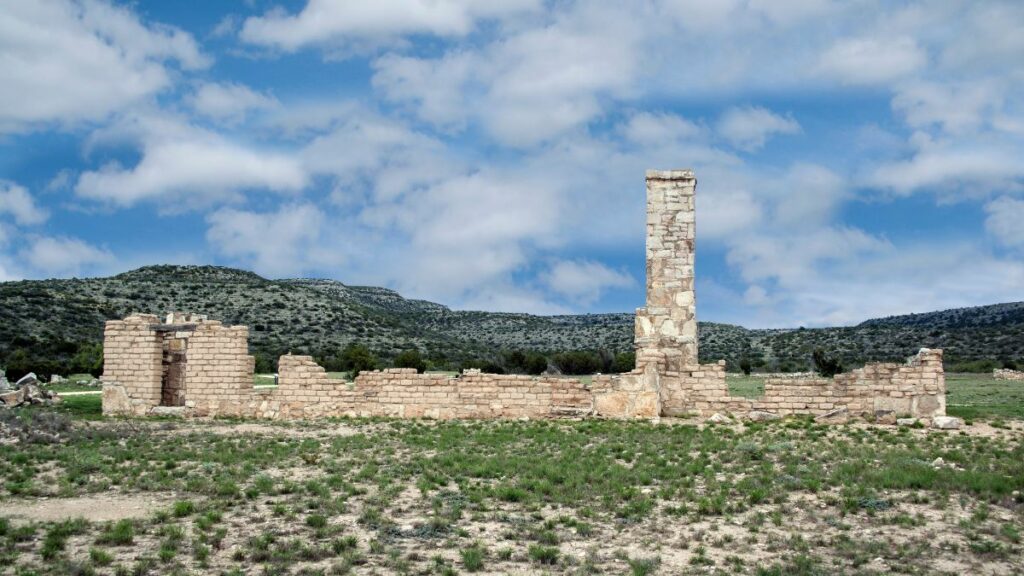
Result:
[209,363]
[1007,374]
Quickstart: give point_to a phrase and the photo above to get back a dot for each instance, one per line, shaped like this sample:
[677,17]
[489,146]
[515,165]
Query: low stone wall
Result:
[306,391]
[916,388]
[1007,374]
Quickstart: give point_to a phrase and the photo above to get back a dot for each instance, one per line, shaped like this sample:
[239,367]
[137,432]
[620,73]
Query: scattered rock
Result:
[761,416]
[5,384]
[12,398]
[947,422]
[938,462]
[885,417]
[906,421]
[838,415]
[28,394]
[56,379]
[718,418]
[26,380]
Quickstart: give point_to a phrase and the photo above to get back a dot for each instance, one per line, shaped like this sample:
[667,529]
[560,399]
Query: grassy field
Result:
[84,495]
[562,497]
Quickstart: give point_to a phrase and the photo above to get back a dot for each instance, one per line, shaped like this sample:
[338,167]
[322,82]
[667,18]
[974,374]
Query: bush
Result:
[357,358]
[745,366]
[577,363]
[624,362]
[411,359]
[826,365]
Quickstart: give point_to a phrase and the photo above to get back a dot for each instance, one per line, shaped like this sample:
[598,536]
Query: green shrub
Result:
[411,359]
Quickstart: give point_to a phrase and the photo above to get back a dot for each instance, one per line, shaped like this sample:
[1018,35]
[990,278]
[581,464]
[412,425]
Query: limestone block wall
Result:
[219,370]
[306,391]
[132,365]
[916,388]
[1007,374]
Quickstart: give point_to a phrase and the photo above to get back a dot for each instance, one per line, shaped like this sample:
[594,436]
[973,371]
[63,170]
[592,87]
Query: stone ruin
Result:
[193,366]
[1008,374]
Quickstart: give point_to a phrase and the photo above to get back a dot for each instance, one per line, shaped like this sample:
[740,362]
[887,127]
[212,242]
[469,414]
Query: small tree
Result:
[411,359]
[356,358]
[826,365]
[745,366]
[624,362]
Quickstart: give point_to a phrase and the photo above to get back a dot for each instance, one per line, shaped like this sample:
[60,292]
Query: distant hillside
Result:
[53,320]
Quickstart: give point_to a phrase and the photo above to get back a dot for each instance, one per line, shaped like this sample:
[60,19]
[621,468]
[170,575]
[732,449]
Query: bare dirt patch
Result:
[95,508]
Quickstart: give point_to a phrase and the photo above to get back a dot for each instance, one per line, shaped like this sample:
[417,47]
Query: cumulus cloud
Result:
[16,202]
[284,242]
[325,21]
[67,62]
[963,168]
[364,150]
[1005,221]
[583,281]
[872,60]
[229,102]
[63,256]
[183,161]
[749,127]
[529,86]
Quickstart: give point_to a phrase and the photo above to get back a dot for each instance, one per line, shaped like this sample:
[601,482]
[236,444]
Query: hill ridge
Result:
[52,319]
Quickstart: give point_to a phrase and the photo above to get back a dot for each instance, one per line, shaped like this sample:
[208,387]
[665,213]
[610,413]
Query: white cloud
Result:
[326,21]
[873,60]
[1005,221]
[958,107]
[228,101]
[285,242]
[68,62]
[180,162]
[62,256]
[365,150]
[583,281]
[653,128]
[529,86]
[963,168]
[749,127]
[19,204]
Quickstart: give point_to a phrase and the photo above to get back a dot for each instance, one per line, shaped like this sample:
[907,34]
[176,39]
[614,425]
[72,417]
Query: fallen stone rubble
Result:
[25,391]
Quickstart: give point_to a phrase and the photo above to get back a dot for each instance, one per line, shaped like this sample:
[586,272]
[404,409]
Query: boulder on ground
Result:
[885,417]
[718,418]
[12,398]
[56,379]
[906,421]
[761,416]
[26,380]
[5,384]
[947,422]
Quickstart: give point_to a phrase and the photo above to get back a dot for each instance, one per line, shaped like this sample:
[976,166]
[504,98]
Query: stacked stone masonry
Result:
[1007,374]
[199,367]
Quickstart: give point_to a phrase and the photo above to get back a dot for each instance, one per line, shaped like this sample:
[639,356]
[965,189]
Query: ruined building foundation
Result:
[197,367]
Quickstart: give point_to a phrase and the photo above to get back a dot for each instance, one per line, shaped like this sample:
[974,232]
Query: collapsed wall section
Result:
[1007,374]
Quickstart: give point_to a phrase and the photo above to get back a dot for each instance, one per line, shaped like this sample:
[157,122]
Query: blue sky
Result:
[855,159]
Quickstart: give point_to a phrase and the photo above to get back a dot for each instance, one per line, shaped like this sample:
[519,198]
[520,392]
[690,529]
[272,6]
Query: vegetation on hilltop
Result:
[54,326]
